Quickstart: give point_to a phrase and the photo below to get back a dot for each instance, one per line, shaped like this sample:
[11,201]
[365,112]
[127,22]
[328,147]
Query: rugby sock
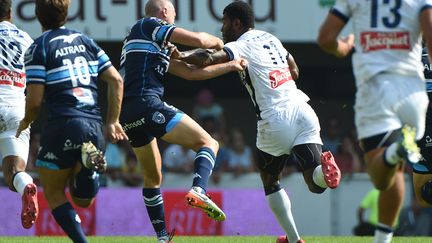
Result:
[70,222]
[318,177]
[280,204]
[21,180]
[154,203]
[203,166]
[383,233]
[391,156]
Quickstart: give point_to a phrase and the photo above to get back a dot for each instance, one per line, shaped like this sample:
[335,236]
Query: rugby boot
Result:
[168,238]
[284,239]
[93,158]
[200,200]
[332,173]
[30,209]
[407,146]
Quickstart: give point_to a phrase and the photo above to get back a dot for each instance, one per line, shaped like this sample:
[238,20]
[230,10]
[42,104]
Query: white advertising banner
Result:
[110,20]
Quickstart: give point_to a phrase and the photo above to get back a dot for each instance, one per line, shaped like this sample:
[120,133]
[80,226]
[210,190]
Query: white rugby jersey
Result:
[387,34]
[13,44]
[267,77]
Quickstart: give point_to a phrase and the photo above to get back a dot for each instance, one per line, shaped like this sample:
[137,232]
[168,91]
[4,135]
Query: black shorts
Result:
[146,118]
[61,141]
[425,145]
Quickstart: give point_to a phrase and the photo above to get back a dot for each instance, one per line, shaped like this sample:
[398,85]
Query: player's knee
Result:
[426,194]
[85,187]
[83,203]
[380,184]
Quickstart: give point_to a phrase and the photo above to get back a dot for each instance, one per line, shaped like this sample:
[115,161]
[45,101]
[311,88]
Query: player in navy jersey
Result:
[422,171]
[14,150]
[63,67]
[145,60]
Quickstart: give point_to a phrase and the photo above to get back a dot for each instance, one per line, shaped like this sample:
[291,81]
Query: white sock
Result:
[21,180]
[383,236]
[280,204]
[318,177]
[391,155]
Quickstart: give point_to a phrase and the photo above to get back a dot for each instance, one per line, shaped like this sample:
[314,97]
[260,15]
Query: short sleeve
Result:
[35,64]
[234,50]
[341,10]
[426,5]
[103,60]
[157,30]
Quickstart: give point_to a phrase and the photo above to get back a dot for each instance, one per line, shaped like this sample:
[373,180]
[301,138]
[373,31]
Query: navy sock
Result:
[155,209]
[86,184]
[69,221]
[204,163]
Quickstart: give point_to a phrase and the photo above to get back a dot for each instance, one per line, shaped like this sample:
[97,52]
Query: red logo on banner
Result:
[279,77]
[46,224]
[187,220]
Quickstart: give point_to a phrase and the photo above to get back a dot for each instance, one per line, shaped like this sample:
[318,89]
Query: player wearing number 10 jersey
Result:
[14,151]
[63,67]
[391,102]
[286,122]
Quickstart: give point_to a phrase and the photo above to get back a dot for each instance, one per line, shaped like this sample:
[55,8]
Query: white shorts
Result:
[387,102]
[10,116]
[297,124]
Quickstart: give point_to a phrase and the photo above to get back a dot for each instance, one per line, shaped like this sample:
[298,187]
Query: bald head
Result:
[154,7]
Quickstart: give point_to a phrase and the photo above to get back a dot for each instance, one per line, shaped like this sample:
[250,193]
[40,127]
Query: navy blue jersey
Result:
[145,57]
[427,69]
[68,63]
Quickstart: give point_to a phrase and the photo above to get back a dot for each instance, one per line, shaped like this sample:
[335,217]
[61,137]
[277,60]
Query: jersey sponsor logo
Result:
[279,77]
[8,77]
[137,123]
[158,117]
[373,41]
[66,38]
[68,145]
[70,50]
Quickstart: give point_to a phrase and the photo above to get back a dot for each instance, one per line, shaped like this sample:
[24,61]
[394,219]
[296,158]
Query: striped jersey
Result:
[267,77]
[13,44]
[145,57]
[387,35]
[68,63]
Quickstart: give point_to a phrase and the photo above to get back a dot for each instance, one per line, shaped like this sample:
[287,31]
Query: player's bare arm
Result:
[328,37]
[193,72]
[203,58]
[294,70]
[426,26]
[115,96]
[196,39]
[34,98]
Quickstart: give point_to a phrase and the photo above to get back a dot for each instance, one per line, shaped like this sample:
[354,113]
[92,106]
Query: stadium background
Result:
[327,80]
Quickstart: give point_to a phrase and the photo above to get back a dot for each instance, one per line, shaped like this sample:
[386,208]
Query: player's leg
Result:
[15,153]
[188,133]
[54,183]
[319,170]
[83,186]
[270,168]
[150,159]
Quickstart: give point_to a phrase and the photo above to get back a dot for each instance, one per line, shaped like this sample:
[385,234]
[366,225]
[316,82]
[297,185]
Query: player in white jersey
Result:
[391,101]
[14,151]
[286,122]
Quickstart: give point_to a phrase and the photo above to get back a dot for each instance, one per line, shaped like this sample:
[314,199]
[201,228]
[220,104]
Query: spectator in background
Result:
[241,159]
[347,157]
[131,175]
[369,203]
[208,113]
[331,135]
[115,155]
[178,159]
[222,157]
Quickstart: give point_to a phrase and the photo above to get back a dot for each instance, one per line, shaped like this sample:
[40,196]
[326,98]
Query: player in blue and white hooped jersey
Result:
[63,67]
[145,60]
[14,150]
[391,102]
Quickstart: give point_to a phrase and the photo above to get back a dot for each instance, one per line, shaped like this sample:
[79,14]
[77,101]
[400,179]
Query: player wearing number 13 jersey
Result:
[63,67]
[391,101]
[286,122]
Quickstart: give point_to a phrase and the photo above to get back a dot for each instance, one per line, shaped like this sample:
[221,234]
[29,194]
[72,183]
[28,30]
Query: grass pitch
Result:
[211,239]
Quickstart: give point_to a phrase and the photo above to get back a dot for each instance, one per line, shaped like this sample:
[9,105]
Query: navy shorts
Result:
[425,145]
[145,118]
[61,141]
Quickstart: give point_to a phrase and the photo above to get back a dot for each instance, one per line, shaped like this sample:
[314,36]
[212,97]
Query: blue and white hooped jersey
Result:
[68,63]
[145,57]
[427,69]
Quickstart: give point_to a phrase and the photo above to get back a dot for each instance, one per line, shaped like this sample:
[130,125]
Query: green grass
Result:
[212,239]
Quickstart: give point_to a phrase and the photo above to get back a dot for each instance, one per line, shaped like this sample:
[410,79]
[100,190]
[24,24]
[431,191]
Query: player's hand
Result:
[349,40]
[347,45]
[115,132]
[239,64]
[173,51]
[22,126]
[220,44]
